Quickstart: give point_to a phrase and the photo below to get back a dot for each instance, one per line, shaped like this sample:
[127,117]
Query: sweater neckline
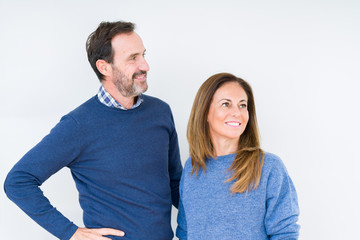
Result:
[227,156]
[113,109]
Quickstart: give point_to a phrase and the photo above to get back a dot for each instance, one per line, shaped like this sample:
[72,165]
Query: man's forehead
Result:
[126,39]
[128,43]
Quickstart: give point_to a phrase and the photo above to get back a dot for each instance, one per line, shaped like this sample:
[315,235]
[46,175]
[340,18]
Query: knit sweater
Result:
[125,164]
[207,210]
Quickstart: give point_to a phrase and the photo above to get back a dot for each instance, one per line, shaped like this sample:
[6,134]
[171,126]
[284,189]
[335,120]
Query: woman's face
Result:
[228,113]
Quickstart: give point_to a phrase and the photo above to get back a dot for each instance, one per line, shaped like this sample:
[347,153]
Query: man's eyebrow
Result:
[135,54]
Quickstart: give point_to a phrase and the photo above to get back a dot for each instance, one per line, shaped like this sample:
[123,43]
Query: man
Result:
[121,147]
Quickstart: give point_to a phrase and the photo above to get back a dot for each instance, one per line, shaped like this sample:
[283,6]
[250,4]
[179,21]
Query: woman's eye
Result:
[243,105]
[225,104]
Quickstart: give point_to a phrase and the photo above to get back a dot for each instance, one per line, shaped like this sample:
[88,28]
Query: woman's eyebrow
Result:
[226,99]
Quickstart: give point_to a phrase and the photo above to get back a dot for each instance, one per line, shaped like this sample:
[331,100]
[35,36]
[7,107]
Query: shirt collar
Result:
[105,98]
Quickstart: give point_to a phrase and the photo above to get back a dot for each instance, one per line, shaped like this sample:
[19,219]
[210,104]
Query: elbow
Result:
[18,186]
[10,186]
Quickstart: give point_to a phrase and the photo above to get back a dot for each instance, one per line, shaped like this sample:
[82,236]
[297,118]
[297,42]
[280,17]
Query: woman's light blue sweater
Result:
[208,210]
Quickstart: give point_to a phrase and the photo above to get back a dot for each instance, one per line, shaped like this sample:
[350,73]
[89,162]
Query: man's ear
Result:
[103,67]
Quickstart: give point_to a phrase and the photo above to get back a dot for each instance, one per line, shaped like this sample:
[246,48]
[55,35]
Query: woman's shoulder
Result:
[272,158]
[187,165]
[273,162]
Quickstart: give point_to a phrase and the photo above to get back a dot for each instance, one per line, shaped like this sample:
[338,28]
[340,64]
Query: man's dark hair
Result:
[98,44]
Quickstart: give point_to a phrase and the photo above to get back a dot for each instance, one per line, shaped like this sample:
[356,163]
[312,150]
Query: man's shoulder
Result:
[155,102]
[85,110]
[85,106]
[153,99]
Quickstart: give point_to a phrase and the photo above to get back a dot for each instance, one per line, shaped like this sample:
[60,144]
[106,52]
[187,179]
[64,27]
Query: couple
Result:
[122,149]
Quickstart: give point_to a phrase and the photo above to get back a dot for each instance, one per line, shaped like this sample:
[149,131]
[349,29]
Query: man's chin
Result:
[141,88]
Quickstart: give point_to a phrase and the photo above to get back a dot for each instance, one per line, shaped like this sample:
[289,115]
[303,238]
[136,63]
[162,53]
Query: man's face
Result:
[129,67]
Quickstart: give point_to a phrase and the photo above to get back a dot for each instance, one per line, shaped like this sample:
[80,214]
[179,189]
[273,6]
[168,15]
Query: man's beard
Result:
[126,86]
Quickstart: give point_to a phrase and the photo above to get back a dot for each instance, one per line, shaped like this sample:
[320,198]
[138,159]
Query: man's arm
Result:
[23,182]
[181,230]
[175,167]
[22,185]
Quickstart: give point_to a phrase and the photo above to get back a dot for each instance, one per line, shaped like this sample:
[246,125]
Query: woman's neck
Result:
[225,146]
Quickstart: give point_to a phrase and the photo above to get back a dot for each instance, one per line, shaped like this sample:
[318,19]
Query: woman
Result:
[230,188]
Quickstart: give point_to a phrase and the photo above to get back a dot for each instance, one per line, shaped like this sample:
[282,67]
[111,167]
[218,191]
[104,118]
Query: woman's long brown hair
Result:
[246,167]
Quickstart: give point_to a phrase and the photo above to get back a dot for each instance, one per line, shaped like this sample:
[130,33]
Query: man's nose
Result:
[144,66]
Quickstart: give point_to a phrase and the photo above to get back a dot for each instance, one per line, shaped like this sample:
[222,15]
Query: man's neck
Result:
[126,102]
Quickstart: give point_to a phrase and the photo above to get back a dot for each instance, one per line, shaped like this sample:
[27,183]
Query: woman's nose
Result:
[235,111]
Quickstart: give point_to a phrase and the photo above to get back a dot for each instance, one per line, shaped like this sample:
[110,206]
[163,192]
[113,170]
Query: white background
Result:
[301,57]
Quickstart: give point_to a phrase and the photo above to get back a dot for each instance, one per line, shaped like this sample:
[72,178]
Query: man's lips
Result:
[140,75]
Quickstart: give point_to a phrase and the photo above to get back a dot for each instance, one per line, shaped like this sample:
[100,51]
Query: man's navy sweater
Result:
[125,164]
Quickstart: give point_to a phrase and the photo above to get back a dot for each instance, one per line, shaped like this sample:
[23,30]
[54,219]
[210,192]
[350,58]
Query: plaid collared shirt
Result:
[108,100]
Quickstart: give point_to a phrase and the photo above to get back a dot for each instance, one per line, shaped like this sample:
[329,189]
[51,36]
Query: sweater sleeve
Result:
[175,167]
[181,230]
[22,185]
[282,208]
